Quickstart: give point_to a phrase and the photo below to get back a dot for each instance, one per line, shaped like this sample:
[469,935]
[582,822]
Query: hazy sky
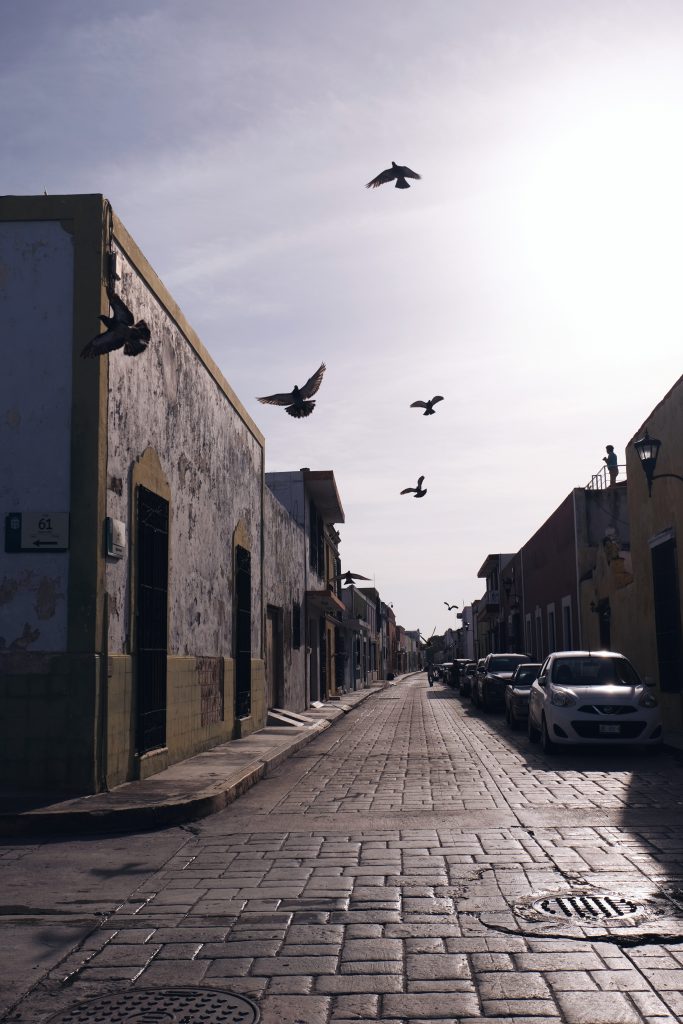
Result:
[532,276]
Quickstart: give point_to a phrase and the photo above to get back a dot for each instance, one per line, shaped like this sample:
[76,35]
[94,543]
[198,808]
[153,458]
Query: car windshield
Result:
[525,676]
[590,671]
[505,664]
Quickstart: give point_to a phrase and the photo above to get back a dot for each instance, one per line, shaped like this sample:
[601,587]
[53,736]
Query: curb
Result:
[167,813]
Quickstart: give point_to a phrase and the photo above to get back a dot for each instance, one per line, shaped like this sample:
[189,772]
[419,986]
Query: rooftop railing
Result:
[600,480]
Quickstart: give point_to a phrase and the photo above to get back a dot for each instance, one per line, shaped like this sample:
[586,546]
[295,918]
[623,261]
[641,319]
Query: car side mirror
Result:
[542,680]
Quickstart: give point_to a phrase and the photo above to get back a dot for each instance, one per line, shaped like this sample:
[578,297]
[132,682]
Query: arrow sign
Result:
[36,532]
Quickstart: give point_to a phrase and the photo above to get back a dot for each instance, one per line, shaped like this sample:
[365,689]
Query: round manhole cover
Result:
[162,1006]
[588,908]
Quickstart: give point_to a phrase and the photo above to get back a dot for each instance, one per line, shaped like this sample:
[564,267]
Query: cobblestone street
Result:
[388,872]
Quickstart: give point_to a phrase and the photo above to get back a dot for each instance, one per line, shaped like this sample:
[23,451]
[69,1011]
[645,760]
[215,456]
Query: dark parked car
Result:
[446,668]
[517,693]
[474,689]
[459,671]
[494,676]
[467,674]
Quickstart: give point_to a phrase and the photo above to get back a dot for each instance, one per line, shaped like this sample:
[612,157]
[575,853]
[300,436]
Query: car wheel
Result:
[532,731]
[546,743]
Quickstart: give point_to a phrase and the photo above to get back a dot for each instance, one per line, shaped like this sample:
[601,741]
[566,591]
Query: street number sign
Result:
[37,531]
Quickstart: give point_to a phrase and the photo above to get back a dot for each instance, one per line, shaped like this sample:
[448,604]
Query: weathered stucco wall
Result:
[167,400]
[36,312]
[284,559]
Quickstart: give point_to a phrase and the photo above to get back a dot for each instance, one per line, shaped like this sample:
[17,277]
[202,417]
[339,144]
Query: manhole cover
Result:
[162,1006]
[588,908]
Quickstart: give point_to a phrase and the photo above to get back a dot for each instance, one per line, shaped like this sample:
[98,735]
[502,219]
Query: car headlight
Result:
[562,698]
[648,700]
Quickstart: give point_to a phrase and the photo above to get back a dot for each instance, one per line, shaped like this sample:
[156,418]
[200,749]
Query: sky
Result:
[531,276]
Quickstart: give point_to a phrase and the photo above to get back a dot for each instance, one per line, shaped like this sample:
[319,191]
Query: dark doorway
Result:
[339,658]
[667,615]
[322,659]
[604,614]
[242,632]
[275,658]
[152,620]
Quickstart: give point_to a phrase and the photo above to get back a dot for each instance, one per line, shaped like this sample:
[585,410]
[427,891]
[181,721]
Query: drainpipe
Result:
[307,656]
[521,565]
[103,709]
[579,617]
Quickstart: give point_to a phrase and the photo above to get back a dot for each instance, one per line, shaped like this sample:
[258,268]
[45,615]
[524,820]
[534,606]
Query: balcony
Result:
[489,605]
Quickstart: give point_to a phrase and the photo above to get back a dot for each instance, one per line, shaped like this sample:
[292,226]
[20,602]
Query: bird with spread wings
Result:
[347,578]
[394,172]
[298,402]
[418,492]
[122,332]
[428,406]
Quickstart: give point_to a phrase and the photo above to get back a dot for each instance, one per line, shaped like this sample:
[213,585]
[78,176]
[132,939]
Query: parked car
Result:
[517,693]
[460,664]
[494,676]
[467,674]
[474,689]
[588,698]
[445,672]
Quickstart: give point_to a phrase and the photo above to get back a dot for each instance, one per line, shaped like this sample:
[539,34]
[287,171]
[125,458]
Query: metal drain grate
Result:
[162,1006]
[588,908]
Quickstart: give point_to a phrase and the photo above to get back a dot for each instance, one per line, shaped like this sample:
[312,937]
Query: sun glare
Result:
[602,214]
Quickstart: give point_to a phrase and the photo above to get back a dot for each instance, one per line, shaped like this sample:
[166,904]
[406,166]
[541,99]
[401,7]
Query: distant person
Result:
[612,465]
[430,675]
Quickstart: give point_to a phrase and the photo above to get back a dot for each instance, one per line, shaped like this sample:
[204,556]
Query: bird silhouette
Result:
[121,332]
[347,578]
[297,401]
[428,406]
[399,173]
[417,491]
[451,606]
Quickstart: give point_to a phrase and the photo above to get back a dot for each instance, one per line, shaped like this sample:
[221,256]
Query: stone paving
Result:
[386,873]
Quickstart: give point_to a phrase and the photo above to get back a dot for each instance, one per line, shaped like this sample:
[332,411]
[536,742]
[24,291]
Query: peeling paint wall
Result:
[284,584]
[36,313]
[167,400]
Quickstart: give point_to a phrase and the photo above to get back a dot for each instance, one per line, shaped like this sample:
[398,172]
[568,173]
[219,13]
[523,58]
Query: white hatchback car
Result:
[581,697]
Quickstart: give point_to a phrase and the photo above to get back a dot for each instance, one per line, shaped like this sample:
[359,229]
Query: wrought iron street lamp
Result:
[648,452]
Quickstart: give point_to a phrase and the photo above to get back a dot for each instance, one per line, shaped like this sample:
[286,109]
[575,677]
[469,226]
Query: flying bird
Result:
[399,173]
[297,402]
[451,606]
[428,406]
[347,578]
[417,491]
[122,332]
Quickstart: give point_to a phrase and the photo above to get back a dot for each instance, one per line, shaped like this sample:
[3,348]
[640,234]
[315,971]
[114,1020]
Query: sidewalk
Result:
[190,789]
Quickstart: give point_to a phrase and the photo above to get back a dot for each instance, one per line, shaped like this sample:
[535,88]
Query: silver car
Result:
[584,697]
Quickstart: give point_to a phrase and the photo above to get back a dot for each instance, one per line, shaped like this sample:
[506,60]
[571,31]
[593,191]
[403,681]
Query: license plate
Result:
[611,729]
